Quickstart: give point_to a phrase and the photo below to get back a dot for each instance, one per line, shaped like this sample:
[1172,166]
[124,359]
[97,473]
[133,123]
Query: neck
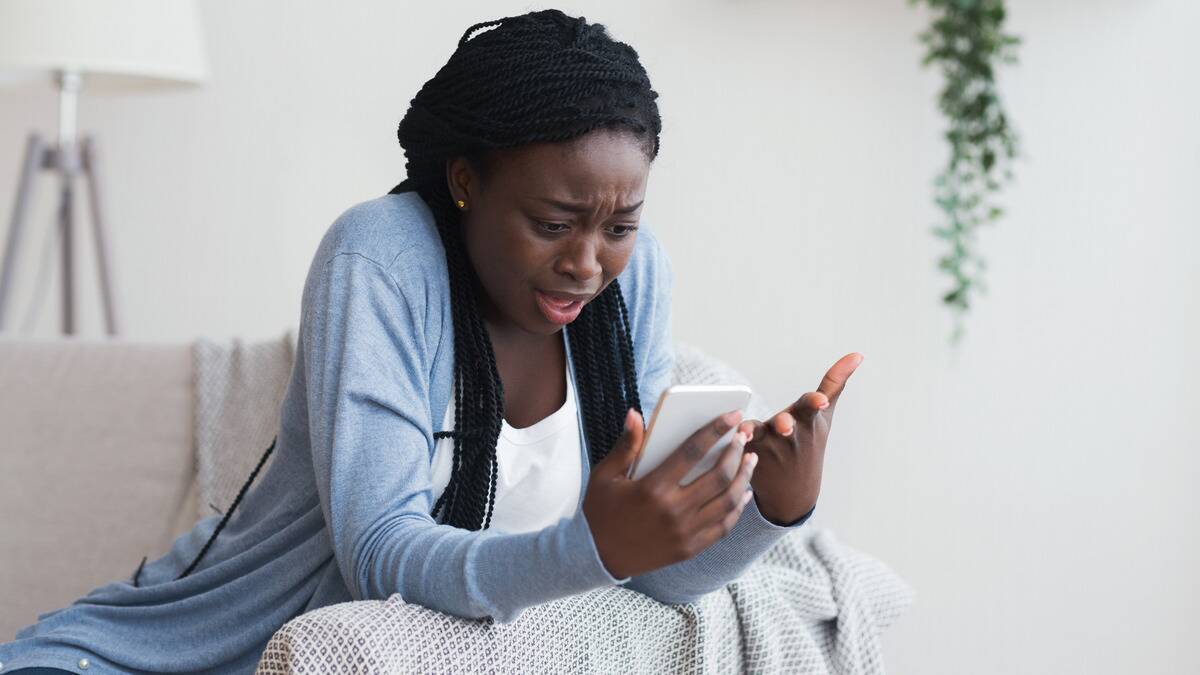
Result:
[508,334]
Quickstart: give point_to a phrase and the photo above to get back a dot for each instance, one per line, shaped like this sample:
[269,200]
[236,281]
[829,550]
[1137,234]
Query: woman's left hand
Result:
[791,447]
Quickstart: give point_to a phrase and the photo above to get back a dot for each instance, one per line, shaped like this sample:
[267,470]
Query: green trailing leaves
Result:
[965,41]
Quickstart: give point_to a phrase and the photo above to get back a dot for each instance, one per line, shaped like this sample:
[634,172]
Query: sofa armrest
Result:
[810,604]
[605,630]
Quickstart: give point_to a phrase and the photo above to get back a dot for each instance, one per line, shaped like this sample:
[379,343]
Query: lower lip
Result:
[556,311]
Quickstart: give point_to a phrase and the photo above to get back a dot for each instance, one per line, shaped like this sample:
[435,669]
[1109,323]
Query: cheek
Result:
[514,260]
[615,259]
[527,258]
[490,256]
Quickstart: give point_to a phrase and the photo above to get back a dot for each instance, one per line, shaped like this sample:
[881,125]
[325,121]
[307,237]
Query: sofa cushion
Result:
[95,465]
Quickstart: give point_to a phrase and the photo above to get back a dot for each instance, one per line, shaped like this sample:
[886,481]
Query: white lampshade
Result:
[115,44]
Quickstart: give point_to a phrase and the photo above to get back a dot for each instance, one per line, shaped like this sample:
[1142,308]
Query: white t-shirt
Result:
[540,468]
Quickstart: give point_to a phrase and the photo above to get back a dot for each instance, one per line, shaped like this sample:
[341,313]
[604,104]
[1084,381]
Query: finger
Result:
[625,451]
[720,514]
[718,531]
[731,497]
[760,432]
[783,423]
[807,406]
[714,481]
[834,380]
[755,429]
[692,450]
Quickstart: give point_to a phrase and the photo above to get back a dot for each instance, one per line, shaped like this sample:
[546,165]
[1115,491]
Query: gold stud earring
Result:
[462,204]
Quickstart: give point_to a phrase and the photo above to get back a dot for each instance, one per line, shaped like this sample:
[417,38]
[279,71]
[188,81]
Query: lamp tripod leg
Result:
[35,158]
[65,224]
[90,172]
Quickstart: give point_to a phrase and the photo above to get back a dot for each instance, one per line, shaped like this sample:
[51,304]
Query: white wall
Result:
[1036,486]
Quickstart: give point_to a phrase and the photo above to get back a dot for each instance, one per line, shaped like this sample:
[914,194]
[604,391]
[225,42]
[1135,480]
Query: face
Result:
[551,226]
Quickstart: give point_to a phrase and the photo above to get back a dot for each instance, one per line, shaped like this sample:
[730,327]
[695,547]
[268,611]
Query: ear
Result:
[461,179]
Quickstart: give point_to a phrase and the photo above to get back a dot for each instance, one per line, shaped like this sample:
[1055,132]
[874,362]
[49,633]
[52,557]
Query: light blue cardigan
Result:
[343,512]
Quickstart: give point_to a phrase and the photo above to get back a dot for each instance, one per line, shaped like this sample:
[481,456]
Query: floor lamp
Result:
[109,45]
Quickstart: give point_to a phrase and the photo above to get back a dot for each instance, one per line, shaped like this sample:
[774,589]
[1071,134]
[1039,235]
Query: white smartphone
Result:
[682,409]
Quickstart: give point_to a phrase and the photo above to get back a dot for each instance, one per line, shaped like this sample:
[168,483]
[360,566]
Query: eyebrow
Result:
[580,208]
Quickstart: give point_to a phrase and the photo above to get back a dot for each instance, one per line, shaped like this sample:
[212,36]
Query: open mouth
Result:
[558,310]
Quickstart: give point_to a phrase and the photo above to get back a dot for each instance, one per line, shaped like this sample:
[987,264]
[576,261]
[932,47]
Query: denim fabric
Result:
[343,512]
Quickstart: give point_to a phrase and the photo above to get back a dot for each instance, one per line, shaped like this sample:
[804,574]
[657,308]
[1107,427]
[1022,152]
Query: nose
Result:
[581,260]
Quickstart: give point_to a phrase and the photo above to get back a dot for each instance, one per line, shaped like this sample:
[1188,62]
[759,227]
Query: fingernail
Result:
[629,420]
[747,497]
[732,418]
[753,460]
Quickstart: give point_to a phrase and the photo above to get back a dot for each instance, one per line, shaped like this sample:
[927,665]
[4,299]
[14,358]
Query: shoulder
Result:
[395,231]
[384,253]
[381,267]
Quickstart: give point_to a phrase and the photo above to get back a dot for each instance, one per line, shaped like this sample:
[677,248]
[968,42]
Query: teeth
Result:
[557,302]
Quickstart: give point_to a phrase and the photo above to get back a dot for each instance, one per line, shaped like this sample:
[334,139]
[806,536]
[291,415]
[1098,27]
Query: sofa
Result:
[111,448]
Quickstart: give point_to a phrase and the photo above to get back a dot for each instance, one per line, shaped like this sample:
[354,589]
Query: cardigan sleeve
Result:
[649,293]
[368,359]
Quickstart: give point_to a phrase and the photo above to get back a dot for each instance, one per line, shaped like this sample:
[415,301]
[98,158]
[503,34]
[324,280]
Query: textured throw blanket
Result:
[810,605]
[238,390]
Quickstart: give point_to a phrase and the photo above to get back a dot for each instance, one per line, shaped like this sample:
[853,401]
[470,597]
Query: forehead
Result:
[599,166]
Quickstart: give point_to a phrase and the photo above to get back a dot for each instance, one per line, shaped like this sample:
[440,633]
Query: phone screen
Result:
[681,410]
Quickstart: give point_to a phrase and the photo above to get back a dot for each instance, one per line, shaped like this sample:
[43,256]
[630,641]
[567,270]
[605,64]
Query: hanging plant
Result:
[965,40]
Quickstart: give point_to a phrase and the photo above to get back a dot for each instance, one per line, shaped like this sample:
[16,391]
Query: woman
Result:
[475,352]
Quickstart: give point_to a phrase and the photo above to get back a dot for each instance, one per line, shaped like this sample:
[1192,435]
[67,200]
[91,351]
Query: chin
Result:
[534,323]
[545,327]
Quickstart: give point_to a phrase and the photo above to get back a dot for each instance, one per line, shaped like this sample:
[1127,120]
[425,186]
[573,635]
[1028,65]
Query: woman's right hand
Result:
[642,525]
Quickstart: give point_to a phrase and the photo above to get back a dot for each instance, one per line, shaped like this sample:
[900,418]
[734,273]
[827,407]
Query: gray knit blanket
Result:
[811,604]
[238,388]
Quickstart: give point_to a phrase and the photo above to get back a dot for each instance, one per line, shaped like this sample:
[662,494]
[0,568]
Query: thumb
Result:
[626,448]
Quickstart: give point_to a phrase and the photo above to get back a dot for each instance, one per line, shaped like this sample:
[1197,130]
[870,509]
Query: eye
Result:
[623,230]
[553,228]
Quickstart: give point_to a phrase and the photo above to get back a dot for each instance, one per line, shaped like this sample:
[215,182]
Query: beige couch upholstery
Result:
[96,465]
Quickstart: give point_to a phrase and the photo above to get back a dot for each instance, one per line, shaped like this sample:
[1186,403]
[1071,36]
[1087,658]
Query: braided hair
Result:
[538,77]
